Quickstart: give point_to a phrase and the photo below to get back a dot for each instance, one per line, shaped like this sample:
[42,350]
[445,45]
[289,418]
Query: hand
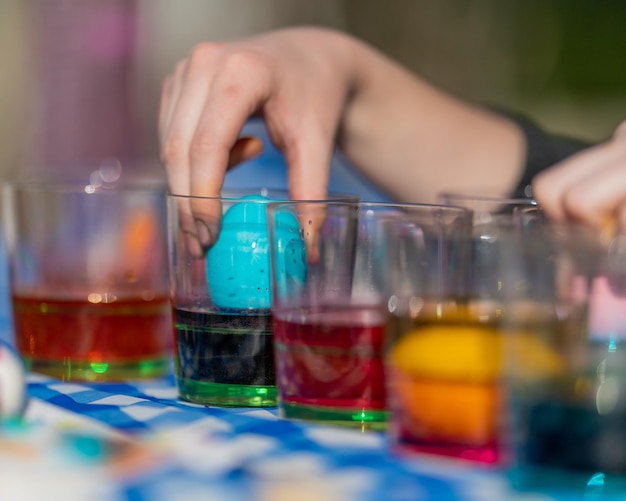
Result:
[315,88]
[589,187]
[298,80]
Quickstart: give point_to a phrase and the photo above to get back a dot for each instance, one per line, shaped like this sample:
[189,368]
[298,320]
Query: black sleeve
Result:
[542,151]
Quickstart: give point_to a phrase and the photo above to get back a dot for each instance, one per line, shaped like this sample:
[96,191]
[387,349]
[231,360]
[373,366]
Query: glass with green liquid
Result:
[224,343]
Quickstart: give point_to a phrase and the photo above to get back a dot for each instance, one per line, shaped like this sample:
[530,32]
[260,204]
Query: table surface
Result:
[138,441]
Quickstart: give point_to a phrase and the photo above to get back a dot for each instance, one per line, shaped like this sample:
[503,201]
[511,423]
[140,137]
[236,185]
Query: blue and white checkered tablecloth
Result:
[139,442]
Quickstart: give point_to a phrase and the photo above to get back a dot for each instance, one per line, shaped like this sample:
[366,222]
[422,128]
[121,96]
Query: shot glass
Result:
[567,406]
[89,279]
[331,322]
[222,298]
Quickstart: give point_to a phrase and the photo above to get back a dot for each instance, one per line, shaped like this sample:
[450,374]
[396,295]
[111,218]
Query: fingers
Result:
[187,229]
[588,187]
[307,139]
[164,105]
[179,114]
[182,101]
[170,91]
[207,213]
[311,219]
[309,165]
[208,99]
[216,144]
[199,138]
[183,107]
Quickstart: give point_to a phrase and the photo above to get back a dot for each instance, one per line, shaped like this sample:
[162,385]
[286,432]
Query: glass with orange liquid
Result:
[89,278]
[447,372]
[450,351]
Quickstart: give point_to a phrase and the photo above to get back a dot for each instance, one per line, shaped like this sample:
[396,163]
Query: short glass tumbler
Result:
[222,298]
[330,324]
[89,280]
[567,406]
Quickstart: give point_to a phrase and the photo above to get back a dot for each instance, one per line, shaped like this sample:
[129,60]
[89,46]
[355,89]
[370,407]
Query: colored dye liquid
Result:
[429,423]
[446,374]
[444,390]
[125,338]
[225,359]
[564,442]
[329,365]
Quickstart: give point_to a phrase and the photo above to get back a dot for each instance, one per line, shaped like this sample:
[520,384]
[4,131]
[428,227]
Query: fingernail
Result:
[203,232]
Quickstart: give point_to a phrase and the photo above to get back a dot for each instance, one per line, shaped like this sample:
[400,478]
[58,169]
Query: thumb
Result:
[245,148]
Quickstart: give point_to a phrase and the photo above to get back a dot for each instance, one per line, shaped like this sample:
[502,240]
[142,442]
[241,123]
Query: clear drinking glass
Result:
[492,216]
[445,353]
[483,202]
[331,321]
[568,400]
[222,298]
[89,279]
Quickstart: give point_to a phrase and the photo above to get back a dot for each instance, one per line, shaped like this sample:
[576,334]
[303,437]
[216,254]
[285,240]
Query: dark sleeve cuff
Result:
[542,151]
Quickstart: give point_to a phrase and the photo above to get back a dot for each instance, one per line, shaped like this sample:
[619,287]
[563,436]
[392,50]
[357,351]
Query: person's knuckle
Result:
[173,149]
[243,60]
[202,143]
[201,52]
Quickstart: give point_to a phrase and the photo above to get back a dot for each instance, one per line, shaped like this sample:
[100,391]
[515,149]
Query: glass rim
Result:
[372,204]
[235,194]
[487,198]
[77,187]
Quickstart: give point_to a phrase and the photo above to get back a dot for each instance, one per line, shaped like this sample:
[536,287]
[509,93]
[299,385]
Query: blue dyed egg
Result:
[238,264]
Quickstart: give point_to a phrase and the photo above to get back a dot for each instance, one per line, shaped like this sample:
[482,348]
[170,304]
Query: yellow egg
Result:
[473,353]
[446,378]
[450,352]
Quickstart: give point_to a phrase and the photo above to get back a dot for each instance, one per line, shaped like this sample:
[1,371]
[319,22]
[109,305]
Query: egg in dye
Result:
[238,265]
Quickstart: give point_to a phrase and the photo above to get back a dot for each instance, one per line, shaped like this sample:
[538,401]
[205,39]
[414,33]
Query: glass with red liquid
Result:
[329,364]
[330,327]
[89,277]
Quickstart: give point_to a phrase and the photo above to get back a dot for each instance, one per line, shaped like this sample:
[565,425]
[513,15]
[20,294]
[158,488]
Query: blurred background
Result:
[80,79]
